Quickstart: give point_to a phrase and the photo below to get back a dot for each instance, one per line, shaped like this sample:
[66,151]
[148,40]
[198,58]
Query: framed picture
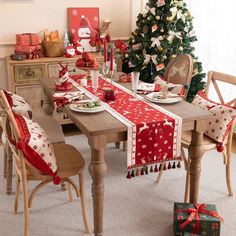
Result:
[84,26]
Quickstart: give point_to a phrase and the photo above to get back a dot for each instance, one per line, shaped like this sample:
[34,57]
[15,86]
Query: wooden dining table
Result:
[102,128]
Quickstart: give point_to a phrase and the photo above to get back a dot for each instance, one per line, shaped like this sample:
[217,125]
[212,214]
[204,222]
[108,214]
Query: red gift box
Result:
[28,49]
[27,39]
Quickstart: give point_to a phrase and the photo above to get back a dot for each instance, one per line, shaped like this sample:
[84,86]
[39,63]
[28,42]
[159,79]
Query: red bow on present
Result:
[194,213]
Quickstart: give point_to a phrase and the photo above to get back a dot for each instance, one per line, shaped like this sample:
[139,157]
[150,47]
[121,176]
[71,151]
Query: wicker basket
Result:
[53,49]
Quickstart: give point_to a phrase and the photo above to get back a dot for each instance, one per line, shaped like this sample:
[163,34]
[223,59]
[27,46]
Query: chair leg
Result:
[63,186]
[228,173]
[69,192]
[17,194]
[9,170]
[4,162]
[26,208]
[187,181]
[125,146]
[83,203]
[160,174]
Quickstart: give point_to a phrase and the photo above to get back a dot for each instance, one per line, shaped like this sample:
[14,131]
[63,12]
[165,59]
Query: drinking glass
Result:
[135,80]
[94,75]
[105,70]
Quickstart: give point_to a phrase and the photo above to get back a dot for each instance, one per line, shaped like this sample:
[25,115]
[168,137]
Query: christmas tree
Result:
[164,30]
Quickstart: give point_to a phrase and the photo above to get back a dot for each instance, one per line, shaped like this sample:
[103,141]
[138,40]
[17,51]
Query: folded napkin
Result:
[165,86]
[60,99]
[146,88]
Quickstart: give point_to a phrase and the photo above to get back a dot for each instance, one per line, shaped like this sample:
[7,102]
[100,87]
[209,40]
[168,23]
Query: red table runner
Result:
[154,134]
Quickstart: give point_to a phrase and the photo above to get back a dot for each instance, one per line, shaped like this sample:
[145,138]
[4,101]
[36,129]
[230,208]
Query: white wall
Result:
[19,16]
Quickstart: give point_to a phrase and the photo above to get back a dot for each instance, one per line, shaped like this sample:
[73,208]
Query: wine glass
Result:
[105,70]
[135,80]
[94,75]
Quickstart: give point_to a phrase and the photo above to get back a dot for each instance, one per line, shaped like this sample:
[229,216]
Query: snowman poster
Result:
[84,27]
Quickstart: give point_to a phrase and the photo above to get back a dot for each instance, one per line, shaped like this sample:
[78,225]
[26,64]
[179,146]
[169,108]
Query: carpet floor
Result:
[136,207]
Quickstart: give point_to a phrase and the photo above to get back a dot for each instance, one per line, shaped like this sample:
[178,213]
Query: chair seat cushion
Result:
[18,104]
[36,146]
[223,117]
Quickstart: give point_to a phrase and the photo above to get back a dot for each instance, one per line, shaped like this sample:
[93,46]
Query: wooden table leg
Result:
[9,170]
[196,152]
[98,170]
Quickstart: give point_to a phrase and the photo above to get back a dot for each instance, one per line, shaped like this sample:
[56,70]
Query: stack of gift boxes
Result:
[27,46]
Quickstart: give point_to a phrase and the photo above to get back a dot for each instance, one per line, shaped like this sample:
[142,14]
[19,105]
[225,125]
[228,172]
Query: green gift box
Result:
[196,219]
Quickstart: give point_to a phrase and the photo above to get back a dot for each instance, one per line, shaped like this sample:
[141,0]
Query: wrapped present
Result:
[197,219]
[124,78]
[28,49]
[27,39]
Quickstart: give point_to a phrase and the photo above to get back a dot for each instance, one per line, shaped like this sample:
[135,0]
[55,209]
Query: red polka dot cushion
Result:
[37,147]
[223,117]
[18,104]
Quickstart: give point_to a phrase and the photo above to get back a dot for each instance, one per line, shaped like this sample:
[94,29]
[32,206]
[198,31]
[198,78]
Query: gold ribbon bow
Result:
[156,41]
[173,34]
[150,57]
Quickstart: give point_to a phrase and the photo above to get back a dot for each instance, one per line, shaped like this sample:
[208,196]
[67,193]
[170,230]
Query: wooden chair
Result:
[56,135]
[208,143]
[69,161]
[179,71]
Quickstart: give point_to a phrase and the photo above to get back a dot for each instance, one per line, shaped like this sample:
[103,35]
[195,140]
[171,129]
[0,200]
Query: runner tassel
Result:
[164,167]
[137,172]
[132,173]
[179,165]
[156,169]
[146,170]
[173,167]
[142,171]
[128,175]
[151,169]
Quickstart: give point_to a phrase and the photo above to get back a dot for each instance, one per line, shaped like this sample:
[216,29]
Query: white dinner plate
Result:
[153,97]
[79,108]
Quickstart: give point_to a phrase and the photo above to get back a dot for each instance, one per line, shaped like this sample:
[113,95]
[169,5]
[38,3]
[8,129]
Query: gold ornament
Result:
[160,49]
[126,55]
[181,48]
[173,56]
[158,17]
[162,30]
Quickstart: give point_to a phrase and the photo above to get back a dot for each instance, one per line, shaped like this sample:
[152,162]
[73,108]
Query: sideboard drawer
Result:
[53,70]
[29,74]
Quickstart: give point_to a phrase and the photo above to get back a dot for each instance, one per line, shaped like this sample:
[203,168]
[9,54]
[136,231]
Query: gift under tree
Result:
[164,30]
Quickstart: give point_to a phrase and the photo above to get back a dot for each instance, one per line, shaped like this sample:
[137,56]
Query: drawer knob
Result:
[73,70]
[29,72]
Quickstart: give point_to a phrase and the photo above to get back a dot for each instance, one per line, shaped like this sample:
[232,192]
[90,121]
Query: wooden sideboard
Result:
[24,79]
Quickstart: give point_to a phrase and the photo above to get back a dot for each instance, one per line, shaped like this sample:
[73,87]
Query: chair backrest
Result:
[213,78]
[179,71]
[13,135]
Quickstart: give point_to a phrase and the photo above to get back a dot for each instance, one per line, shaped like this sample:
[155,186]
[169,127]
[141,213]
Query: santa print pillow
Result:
[18,104]
[37,147]
[223,117]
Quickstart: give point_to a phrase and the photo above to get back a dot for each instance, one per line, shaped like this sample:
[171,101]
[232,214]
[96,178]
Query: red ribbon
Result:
[194,213]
